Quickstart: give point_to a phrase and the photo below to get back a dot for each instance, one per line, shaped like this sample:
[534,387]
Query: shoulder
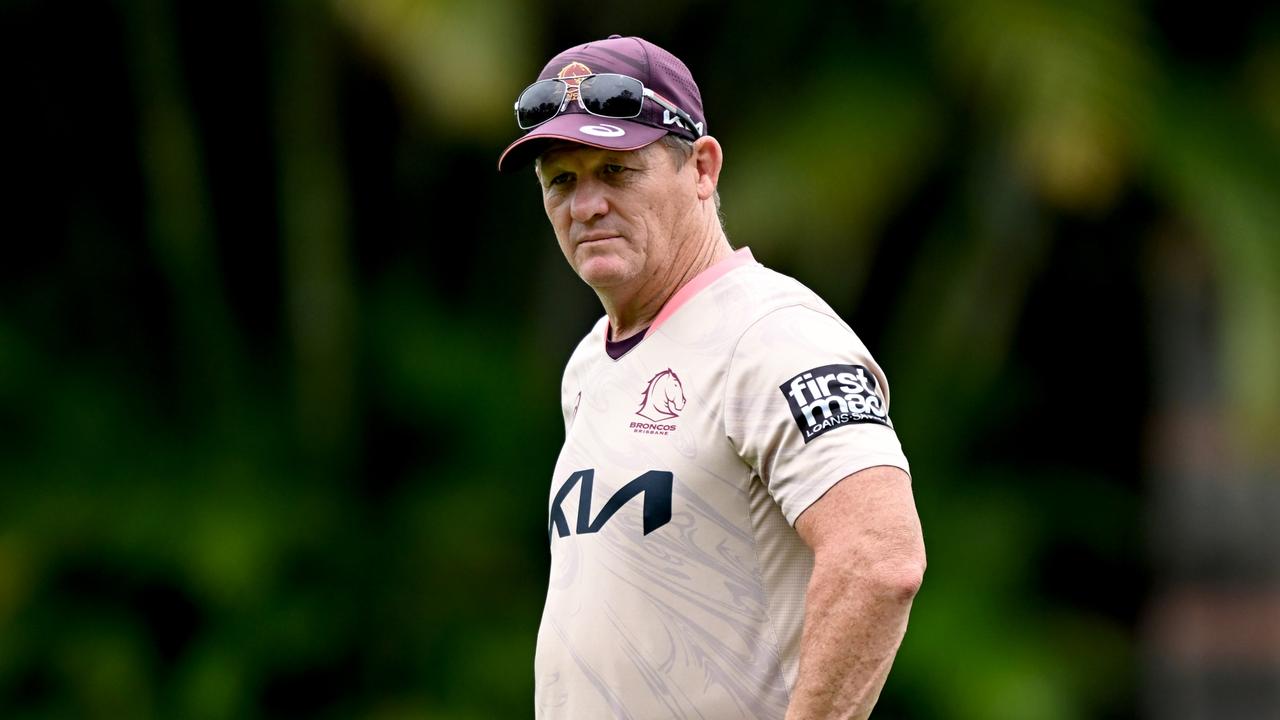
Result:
[733,301]
[594,339]
[792,338]
[588,350]
[763,291]
[767,302]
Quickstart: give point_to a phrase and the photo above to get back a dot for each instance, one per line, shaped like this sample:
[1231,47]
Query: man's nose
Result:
[589,201]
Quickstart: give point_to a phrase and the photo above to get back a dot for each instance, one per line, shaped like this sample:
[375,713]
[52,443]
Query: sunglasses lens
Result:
[613,96]
[539,103]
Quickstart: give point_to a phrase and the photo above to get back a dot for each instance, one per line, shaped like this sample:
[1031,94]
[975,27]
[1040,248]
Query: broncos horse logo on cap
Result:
[572,74]
[663,399]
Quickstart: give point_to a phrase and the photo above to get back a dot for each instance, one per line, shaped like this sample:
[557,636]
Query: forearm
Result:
[855,618]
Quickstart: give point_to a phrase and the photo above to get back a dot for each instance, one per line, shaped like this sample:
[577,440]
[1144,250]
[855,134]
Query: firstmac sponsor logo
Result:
[832,396]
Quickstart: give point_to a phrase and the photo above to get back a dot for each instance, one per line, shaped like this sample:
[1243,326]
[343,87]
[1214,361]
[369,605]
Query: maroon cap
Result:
[657,69]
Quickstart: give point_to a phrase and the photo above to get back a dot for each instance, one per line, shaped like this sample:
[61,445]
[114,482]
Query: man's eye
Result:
[613,169]
[562,178]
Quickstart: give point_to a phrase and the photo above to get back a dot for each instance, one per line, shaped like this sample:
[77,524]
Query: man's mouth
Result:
[588,239]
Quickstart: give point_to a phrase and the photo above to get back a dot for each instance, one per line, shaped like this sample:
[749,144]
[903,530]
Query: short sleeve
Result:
[805,406]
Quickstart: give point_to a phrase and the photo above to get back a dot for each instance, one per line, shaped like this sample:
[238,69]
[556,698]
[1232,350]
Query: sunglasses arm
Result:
[684,116]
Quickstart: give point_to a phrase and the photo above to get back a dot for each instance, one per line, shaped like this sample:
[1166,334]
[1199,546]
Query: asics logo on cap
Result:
[602,130]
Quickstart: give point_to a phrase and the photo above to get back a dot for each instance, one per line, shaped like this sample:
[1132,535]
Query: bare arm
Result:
[868,564]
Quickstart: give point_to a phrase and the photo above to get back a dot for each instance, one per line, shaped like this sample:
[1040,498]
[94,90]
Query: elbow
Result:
[892,578]
[897,576]
[900,579]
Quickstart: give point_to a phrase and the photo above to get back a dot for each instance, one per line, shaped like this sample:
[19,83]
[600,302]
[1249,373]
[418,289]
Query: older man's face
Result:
[617,215]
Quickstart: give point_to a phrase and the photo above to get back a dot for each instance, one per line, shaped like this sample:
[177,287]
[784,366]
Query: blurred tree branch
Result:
[179,218]
[320,306]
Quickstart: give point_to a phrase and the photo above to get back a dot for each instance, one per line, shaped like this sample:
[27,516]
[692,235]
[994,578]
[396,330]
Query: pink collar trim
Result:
[740,257]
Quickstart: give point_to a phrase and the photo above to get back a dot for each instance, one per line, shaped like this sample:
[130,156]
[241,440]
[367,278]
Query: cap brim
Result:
[581,128]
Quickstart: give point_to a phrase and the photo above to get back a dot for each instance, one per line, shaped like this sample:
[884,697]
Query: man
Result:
[731,523]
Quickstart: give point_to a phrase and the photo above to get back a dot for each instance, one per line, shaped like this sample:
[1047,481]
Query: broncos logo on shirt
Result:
[663,399]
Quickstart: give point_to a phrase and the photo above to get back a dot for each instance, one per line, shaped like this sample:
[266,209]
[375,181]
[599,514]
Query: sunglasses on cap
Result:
[606,95]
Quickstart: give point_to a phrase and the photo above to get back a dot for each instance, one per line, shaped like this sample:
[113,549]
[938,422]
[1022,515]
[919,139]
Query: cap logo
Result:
[602,130]
[572,74]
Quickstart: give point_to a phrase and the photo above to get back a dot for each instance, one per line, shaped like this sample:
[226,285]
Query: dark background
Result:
[280,350]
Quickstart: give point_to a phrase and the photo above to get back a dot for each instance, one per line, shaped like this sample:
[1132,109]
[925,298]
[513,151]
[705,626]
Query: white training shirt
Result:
[677,580]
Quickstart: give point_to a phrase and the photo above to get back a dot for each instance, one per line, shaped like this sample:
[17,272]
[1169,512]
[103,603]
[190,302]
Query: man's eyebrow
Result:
[551,157]
[632,159]
[545,164]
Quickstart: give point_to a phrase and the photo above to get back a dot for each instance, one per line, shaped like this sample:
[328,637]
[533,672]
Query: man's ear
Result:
[708,158]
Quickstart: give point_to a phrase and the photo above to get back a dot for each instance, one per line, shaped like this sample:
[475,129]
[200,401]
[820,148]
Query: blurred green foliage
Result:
[280,352]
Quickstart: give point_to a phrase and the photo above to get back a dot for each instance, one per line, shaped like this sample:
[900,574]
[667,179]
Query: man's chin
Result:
[605,272]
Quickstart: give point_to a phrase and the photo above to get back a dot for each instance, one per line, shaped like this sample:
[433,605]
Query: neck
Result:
[631,310]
